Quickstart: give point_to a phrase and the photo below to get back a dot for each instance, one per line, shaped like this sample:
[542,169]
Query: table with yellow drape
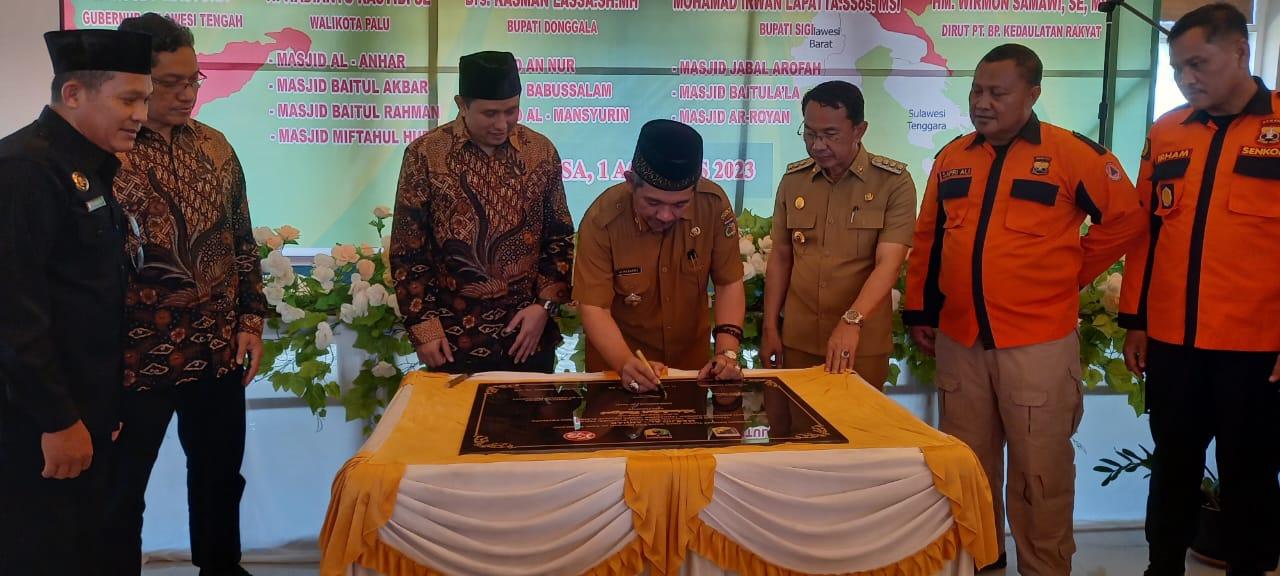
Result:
[899,499]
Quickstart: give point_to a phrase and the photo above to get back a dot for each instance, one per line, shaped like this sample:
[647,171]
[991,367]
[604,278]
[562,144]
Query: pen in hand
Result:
[661,390]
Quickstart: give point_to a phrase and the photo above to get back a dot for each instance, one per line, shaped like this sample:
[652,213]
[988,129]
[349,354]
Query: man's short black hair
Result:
[1027,61]
[1219,20]
[92,80]
[837,94]
[166,35]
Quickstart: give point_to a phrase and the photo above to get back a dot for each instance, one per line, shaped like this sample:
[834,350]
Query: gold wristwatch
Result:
[853,317]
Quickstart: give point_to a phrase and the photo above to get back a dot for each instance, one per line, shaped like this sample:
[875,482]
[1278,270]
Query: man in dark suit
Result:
[65,257]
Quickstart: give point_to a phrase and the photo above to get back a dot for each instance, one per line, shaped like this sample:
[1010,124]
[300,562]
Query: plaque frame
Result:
[477,440]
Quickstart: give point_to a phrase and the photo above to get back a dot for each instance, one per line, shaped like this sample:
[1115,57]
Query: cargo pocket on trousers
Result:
[1028,402]
[947,385]
[1075,372]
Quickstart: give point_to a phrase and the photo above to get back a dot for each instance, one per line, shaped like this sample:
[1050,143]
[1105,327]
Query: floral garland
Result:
[352,288]
[755,246]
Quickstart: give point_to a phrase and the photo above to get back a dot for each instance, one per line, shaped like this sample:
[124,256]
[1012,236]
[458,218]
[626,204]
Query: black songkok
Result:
[668,155]
[488,76]
[101,50]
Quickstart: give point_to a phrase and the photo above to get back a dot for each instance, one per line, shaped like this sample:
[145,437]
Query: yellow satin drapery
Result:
[665,489]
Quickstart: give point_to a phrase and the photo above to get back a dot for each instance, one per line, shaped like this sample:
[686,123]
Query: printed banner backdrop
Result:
[320,97]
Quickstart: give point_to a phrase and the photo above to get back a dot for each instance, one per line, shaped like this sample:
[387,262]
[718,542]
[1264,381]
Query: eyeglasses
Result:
[830,137]
[193,82]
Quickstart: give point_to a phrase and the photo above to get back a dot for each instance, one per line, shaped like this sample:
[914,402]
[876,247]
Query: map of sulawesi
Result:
[320,97]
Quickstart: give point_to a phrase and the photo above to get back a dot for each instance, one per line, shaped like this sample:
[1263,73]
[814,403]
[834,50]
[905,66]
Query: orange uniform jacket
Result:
[998,253]
[1208,272]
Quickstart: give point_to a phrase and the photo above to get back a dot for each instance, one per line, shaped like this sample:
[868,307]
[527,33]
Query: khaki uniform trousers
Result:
[1028,399]
[873,369]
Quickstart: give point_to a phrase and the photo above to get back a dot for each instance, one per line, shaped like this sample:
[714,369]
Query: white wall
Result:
[290,462]
[1108,424]
[25,66]
[1268,49]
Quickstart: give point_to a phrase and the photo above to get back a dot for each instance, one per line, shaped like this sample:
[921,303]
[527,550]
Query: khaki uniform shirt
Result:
[833,229]
[655,284]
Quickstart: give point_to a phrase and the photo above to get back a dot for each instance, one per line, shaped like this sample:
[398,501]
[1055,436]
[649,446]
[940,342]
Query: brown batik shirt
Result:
[200,283]
[478,237]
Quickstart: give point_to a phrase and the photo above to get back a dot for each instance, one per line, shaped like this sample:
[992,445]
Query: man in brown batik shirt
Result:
[482,241]
[194,311]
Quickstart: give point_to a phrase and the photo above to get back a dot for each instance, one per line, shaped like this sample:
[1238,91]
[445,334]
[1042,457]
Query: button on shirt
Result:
[655,284]
[1206,270]
[200,283]
[998,253]
[476,238]
[841,224]
[62,251]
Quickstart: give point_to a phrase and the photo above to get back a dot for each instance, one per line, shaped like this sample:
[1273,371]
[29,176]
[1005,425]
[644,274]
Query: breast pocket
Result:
[695,271]
[1257,192]
[629,280]
[1168,181]
[864,232]
[1031,206]
[954,194]
[800,225]
[93,228]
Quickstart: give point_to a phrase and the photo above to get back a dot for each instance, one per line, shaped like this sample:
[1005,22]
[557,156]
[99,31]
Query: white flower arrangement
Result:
[350,288]
[754,246]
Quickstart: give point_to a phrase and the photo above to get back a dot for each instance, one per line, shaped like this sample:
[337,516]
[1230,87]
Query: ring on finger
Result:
[844,354]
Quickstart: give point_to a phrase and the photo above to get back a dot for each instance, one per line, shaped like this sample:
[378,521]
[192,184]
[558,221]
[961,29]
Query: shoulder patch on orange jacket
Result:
[1100,149]
[944,146]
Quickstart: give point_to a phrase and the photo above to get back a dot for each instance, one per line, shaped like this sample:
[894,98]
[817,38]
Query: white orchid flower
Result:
[289,314]
[325,261]
[261,234]
[324,336]
[383,370]
[377,295]
[274,293]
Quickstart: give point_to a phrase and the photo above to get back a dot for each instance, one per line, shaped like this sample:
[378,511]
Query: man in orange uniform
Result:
[993,286]
[1202,294]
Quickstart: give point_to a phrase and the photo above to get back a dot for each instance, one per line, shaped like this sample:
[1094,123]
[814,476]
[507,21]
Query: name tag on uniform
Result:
[96,203]
[626,272]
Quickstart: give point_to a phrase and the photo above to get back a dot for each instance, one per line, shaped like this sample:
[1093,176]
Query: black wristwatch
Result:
[552,307]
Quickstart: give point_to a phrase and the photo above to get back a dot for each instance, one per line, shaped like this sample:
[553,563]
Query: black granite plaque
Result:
[571,416]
